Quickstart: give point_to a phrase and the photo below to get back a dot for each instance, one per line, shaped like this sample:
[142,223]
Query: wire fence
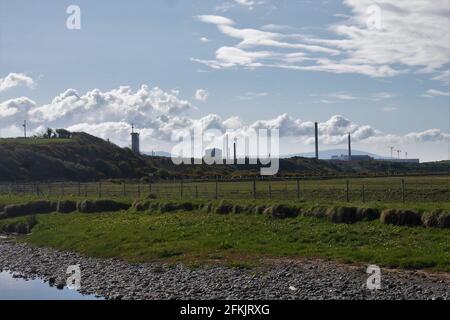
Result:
[417,189]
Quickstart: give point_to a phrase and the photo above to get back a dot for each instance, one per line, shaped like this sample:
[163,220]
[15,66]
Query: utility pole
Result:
[406,155]
[398,153]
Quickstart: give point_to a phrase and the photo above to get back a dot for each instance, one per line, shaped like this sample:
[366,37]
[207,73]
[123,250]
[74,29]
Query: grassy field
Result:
[382,189]
[240,240]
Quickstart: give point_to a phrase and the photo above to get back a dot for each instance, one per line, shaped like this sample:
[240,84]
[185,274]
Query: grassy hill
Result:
[87,158]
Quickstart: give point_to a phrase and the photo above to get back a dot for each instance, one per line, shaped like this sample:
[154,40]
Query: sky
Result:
[377,69]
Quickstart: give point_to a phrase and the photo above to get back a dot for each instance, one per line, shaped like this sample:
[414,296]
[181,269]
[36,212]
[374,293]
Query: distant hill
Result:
[88,158]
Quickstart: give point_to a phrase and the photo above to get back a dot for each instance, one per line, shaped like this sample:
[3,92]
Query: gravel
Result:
[280,279]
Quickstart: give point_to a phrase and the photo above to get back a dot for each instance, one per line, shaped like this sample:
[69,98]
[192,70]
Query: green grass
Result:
[31,140]
[240,240]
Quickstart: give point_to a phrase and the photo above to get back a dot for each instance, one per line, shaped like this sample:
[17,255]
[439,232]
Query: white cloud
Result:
[158,116]
[14,80]
[410,41]
[436,93]
[204,39]
[201,95]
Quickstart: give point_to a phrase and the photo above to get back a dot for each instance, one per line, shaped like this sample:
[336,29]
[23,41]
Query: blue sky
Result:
[256,60]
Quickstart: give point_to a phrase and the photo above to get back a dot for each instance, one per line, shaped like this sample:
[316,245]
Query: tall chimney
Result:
[349,147]
[316,130]
[234,147]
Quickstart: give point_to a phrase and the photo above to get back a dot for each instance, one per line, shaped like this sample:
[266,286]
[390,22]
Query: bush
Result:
[280,211]
[237,209]
[152,196]
[259,209]
[430,219]
[367,214]
[223,208]
[389,216]
[66,206]
[91,206]
[342,215]
[36,207]
[444,220]
[400,217]
[318,212]
[168,207]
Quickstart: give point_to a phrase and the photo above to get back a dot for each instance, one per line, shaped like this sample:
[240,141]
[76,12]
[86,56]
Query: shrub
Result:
[36,207]
[342,215]
[259,209]
[318,212]
[280,211]
[223,208]
[152,196]
[400,217]
[367,214]
[66,206]
[237,209]
[90,206]
[444,220]
[168,207]
[430,219]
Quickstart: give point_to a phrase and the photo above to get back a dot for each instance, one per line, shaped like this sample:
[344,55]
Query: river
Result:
[20,289]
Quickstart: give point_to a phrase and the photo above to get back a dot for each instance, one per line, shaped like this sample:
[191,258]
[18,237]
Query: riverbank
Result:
[280,279]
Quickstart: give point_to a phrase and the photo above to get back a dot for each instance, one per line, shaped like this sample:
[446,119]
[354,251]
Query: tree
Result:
[48,133]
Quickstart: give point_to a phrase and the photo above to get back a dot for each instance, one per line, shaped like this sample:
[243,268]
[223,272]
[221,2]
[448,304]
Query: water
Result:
[20,289]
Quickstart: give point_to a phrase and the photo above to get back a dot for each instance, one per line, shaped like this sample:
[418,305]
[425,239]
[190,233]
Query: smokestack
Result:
[349,147]
[234,146]
[316,130]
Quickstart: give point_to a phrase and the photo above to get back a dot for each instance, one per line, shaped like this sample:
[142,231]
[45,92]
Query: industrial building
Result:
[135,141]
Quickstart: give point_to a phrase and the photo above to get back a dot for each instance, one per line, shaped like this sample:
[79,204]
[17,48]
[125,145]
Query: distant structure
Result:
[400,160]
[134,140]
[234,151]
[349,147]
[24,128]
[350,157]
[316,134]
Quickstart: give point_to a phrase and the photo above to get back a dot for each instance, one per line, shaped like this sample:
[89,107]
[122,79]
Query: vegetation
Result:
[81,157]
[197,237]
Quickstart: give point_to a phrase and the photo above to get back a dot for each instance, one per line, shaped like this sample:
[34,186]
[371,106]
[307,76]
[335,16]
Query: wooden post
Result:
[37,189]
[139,191]
[254,189]
[85,190]
[181,189]
[403,190]
[62,188]
[298,189]
[124,189]
[348,191]
[99,189]
[196,192]
[150,187]
[363,194]
[79,189]
[49,189]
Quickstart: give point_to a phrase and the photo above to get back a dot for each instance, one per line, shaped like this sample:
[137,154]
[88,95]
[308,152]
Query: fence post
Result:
[196,192]
[363,194]
[348,191]
[181,189]
[139,191]
[79,189]
[62,188]
[298,189]
[254,189]
[150,187]
[37,189]
[99,189]
[403,190]
[124,189]
[85,190]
